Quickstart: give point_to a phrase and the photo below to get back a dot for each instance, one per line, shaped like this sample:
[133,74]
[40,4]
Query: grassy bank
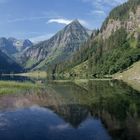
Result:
[131,76]
[10,87]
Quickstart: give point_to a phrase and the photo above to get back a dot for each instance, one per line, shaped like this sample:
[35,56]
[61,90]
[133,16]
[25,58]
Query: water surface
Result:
[95,110]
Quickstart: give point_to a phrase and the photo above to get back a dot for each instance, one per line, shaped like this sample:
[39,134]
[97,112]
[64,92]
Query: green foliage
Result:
[117,60]
[117,54]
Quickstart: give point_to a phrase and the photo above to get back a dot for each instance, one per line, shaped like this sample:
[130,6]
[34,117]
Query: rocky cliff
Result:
[56,49]
[131,23]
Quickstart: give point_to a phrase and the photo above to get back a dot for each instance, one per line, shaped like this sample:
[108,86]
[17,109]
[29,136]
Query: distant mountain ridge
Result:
[58,48]
[11,45]
[8,48]
[7,65]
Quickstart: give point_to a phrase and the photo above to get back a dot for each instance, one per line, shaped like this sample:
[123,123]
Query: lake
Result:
[93,110]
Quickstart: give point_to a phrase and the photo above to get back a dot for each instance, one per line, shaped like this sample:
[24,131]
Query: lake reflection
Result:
[94,110]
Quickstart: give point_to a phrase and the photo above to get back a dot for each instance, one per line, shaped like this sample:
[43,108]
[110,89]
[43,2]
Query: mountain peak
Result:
[76,22]
[75,25]
[61,46]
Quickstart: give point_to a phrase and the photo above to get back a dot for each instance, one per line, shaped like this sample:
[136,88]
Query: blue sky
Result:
[40,19]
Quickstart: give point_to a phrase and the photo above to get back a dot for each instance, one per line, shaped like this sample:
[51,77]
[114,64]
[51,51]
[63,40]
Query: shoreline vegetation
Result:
[132,80]
[11,87]
[131,76]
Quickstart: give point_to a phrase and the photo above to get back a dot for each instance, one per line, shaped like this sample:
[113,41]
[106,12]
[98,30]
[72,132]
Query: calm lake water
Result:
[94,110]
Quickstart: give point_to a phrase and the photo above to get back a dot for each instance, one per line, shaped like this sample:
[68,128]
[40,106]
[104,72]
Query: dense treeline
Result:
[114,54]
[117,54]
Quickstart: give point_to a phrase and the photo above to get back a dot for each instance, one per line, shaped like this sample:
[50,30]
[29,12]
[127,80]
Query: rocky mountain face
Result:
[61,46]
[7,65]
[11,46]
[131,21]
[126,17]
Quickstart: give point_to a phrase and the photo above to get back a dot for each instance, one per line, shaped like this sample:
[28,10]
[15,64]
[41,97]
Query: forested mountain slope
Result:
[115,47]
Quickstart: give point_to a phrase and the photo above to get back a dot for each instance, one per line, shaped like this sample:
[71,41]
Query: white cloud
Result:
[41,38]
[60,21]
[98,12]
[66,21]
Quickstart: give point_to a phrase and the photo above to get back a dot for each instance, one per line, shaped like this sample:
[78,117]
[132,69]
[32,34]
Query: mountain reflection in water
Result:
[99,110]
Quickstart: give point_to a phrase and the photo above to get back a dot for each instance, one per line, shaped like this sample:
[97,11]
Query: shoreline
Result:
[131,76]
[132,81]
